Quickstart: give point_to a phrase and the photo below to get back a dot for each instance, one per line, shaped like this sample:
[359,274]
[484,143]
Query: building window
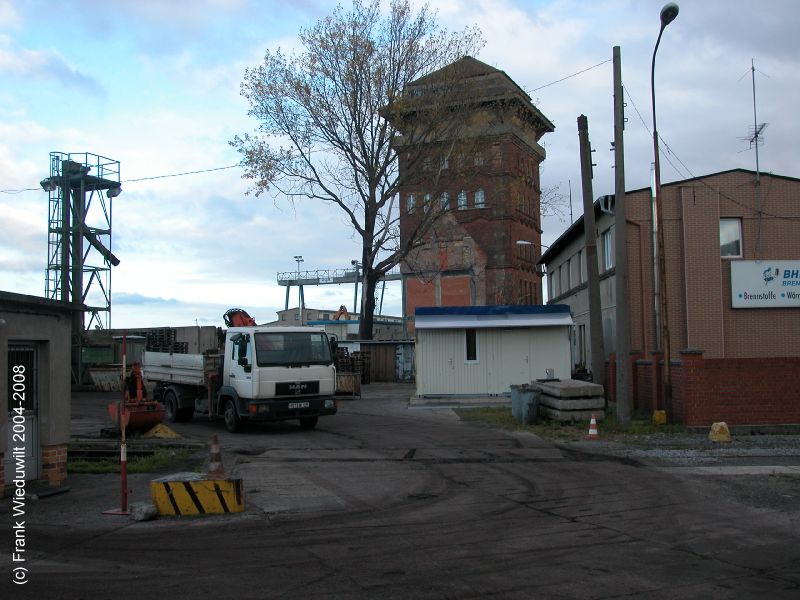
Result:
[296,316]
[608,248]
[557,283]
[471,343]
[565,274]
[411,203]
[445,163]
[426,207]
[445,200]
[283,317]
[478,159]
[462,200]
[480,200]
[730,238]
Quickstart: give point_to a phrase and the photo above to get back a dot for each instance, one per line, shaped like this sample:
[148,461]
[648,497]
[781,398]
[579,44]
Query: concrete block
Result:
[569,388]
[570,416]
[197,494]
[573,403]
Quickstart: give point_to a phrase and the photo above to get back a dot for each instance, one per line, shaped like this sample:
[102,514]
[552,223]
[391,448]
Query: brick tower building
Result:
[470,188]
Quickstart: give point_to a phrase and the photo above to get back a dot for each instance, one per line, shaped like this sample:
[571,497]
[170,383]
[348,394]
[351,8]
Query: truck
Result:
[259,374]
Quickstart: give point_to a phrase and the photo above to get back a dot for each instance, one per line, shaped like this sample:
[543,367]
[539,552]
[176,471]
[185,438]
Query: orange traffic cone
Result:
[215,467]
[593,433]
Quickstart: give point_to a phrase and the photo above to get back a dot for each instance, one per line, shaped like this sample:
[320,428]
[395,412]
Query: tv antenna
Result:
[756,139]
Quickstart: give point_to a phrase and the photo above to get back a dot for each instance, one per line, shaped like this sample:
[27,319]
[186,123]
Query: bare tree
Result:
[323,131]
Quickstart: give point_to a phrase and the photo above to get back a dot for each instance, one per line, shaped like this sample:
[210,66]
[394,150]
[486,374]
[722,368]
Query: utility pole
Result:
[590,235]
[621,287]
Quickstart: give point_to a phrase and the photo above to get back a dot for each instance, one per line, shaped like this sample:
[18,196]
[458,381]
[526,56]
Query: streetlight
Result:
[668,14]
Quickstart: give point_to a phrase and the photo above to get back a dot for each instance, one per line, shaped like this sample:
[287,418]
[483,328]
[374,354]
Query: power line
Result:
[19,191]
[700,180]
[664,154]
[180,174]
[541,87]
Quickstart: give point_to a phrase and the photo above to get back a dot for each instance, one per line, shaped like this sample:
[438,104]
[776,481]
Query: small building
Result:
[35,377]
[483,350]
[733,295]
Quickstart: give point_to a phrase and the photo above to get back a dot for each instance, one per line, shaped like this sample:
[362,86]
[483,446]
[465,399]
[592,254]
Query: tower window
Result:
[411,203]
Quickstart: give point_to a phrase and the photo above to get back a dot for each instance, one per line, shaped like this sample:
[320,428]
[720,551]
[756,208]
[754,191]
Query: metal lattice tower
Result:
[81,187]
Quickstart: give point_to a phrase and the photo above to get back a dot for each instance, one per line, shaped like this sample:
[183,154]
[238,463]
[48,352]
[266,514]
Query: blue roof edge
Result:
[500,309]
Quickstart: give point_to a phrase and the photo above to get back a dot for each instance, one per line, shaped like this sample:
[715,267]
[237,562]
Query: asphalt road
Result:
[382,501]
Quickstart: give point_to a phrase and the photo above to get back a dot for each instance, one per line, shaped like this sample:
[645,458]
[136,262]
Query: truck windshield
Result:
[292,348]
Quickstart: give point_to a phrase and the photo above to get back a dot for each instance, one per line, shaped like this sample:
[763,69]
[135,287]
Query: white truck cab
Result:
[277,373]
[262,374]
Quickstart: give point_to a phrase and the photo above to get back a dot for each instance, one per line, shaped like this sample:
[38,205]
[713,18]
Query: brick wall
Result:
[739,391]
[54,464]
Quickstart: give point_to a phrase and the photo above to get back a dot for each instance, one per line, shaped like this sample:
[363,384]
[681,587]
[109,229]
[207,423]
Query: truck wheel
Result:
[232,421]
[309,422]
[171,406]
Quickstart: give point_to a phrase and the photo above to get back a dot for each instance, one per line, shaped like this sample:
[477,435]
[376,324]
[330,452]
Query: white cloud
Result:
[9,17]
[47,64]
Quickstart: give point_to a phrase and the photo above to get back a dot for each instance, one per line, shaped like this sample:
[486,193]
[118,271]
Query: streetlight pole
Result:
[356,266]
[299,259]
[668,14]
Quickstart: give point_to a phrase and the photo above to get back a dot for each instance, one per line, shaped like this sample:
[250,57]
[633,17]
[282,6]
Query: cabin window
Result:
[471,340]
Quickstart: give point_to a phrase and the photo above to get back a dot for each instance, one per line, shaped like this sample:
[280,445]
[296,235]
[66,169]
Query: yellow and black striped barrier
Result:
[192,494]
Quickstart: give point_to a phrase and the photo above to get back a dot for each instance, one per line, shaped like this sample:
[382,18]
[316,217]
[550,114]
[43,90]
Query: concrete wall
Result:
[45,325]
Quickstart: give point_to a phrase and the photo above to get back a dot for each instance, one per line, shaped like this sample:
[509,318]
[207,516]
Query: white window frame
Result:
[462,200]
[480,199]
[467,360]
[607,238]
[411,204]
[738,222]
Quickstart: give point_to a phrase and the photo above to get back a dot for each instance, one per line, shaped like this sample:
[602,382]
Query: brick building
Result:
[472,187]
[733,294]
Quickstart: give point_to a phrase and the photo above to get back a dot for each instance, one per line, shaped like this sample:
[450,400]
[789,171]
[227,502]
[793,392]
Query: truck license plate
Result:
[298,405]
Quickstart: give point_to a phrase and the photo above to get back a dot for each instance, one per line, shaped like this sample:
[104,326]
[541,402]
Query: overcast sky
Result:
[154,84]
